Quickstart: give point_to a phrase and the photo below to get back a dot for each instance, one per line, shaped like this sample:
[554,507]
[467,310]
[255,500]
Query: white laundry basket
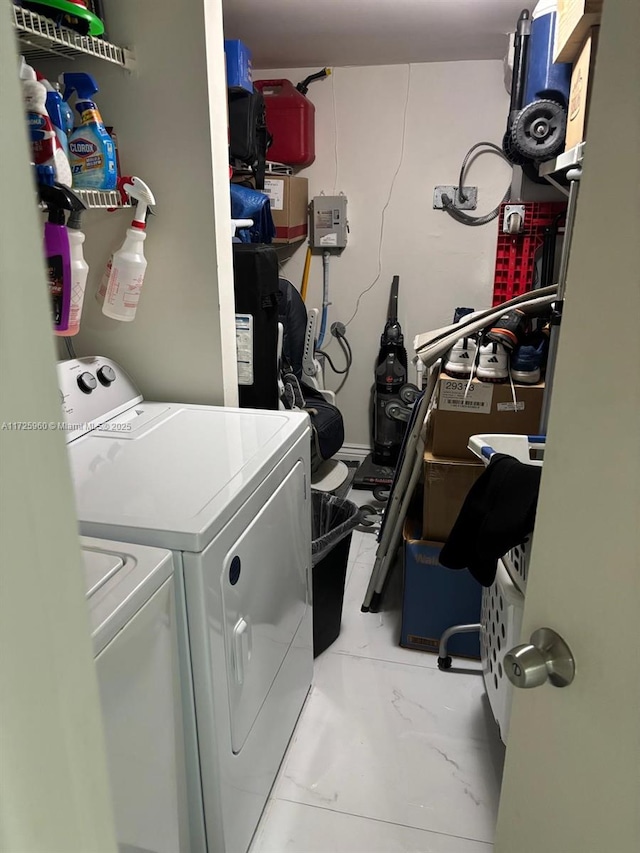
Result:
[503,601]
[500,625]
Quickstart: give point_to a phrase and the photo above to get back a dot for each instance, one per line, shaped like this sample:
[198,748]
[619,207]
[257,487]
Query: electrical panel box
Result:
[329,222]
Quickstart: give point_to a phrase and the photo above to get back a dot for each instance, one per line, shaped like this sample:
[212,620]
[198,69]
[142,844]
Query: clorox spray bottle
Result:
[91,150]
[129,264]
[46,146]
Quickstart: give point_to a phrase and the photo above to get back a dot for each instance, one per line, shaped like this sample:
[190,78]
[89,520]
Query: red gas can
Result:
[291,122]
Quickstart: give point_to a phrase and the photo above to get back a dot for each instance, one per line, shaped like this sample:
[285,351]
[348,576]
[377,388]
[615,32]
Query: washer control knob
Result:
[106,375]
[87,382]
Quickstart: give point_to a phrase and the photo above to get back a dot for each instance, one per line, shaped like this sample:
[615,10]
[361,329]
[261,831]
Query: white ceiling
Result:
[309,33]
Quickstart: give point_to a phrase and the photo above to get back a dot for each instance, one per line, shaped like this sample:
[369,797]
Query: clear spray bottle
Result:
[79,271]
[128,264]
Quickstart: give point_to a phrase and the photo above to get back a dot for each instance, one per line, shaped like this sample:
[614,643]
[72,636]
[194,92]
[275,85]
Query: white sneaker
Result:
[493,363]
[461,357]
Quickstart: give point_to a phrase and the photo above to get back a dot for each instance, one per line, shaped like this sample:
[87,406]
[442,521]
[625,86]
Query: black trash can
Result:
[333,521]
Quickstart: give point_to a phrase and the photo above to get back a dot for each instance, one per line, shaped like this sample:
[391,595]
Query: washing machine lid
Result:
[170,475]
[119,579]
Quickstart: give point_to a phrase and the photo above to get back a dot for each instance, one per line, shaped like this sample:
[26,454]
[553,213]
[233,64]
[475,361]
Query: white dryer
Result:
[228,492]
[131,598]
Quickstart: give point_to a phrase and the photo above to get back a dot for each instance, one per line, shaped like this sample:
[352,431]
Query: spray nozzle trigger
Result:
[136,188]
[83,84]
[57,199]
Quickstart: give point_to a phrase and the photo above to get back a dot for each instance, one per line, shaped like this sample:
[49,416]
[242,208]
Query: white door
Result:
[572,775]
[53,775]
[263,587]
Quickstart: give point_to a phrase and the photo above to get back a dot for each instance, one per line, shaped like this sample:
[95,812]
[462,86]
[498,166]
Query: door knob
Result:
[546,658]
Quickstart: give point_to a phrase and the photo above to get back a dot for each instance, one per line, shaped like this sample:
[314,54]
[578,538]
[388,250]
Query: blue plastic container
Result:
[238,61]
[545,79]
[436,598]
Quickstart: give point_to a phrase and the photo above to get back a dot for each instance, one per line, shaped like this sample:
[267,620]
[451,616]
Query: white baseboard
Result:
[357,452]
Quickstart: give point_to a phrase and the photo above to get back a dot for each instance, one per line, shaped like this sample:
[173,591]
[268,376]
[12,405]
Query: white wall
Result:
[170,116]
[441,264]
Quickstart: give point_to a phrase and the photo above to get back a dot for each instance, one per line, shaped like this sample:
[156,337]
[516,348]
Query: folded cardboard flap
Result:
[581,87]
[574,20]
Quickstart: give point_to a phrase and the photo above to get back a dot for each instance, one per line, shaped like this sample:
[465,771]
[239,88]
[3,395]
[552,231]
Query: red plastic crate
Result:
[515,253]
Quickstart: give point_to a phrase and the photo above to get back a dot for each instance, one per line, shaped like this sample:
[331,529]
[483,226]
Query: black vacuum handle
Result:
[392,316]
[520,52]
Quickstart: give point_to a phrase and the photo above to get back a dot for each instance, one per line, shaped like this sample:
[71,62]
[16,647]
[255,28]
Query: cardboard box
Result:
[487,408]
[581,86]
[446,485]
[574,20]
[289,197]
[238,61]
[436,598]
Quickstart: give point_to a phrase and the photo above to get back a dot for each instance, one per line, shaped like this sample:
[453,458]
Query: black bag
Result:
[248,134]
[327,426]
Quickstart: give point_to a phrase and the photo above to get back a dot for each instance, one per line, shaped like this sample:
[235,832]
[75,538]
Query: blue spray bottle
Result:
[91,149]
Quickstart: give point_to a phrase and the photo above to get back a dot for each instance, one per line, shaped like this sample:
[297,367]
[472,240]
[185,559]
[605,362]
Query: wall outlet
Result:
[469,203]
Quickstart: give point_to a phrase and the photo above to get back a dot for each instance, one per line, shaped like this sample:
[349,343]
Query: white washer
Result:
[228,492]
[132,612]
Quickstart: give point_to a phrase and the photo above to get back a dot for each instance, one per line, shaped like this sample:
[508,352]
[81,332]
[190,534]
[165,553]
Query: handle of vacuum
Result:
[520,51]
[393,299]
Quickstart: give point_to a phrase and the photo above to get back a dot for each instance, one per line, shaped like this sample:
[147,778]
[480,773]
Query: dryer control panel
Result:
[93,390]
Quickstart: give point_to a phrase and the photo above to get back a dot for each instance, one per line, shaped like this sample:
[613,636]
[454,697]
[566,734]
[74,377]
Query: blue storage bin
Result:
[435,598]
[239,67]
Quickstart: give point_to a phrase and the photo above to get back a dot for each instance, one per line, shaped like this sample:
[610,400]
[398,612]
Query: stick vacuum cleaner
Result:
[392,398]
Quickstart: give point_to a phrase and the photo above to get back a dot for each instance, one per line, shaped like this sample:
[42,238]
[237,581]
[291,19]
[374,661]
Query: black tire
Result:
[539,129]
[381,493]
[510,152]
[530,170]
[409,394]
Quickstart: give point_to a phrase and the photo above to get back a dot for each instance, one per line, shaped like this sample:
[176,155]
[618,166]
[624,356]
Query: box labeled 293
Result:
[465,408]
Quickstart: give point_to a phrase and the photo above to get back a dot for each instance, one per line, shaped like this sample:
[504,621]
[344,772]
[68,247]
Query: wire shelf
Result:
[41,39]
[101,199]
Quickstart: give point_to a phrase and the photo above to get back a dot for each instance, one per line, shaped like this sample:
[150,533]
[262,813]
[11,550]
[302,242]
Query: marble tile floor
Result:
[390,755]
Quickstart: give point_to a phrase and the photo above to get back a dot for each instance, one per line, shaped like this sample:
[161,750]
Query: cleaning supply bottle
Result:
[91,149]
[79,271]
[65,111]
[129,264]
[53,104]
[57,250]
[123,181]
[46,148]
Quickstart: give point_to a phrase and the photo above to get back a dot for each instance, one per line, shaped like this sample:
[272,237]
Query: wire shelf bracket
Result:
[101,199]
